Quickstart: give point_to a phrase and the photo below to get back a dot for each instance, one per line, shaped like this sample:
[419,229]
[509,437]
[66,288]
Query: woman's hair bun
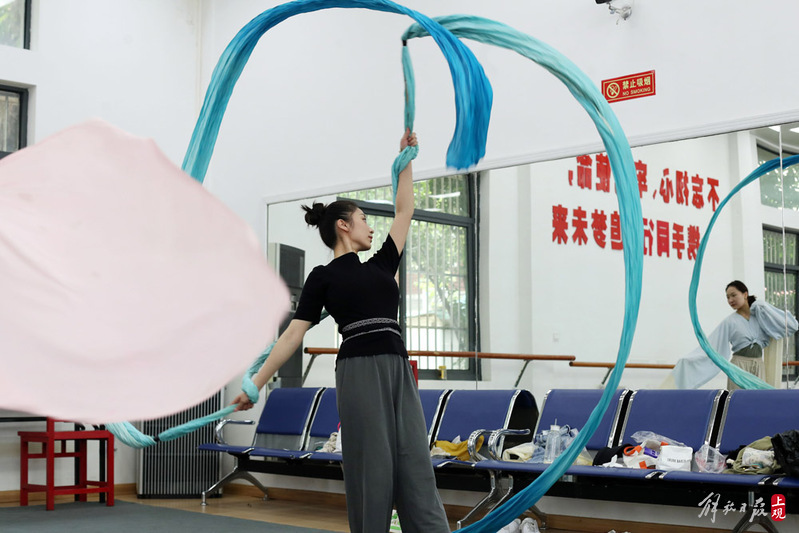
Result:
[315,213]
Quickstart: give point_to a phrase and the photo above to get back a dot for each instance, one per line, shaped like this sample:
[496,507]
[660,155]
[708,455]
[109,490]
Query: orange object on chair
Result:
[50,440]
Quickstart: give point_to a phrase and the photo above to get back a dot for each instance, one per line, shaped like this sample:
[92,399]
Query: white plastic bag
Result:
[648,437]
[674,457]
[709,459]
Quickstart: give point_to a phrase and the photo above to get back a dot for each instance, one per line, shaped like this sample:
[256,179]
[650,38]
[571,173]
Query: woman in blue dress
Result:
[741,338]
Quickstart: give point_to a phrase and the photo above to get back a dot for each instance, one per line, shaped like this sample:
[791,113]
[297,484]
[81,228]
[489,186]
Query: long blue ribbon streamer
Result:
[739,376]
[410,152]
[621,161]
[472,90]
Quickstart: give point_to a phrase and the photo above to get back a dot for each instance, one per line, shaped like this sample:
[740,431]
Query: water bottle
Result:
[552,449]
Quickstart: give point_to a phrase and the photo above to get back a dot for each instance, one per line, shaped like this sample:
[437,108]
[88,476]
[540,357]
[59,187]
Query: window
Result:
[437,276]
[771,189]
[781,286]
[13,119]
[15,23]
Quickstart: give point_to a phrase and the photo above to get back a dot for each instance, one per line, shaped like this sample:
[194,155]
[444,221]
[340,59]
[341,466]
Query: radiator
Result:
[177,469]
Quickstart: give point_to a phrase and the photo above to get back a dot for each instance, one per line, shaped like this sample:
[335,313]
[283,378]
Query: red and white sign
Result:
[629,87]
[684,190]
[777,507]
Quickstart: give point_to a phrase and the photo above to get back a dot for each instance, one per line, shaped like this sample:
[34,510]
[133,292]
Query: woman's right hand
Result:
[408,139]
[242,402]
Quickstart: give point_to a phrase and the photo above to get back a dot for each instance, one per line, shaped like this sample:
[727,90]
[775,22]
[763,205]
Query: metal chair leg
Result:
[541,515]
[496,495]
[234,474]
[249,477]
[746,521]
[744,524]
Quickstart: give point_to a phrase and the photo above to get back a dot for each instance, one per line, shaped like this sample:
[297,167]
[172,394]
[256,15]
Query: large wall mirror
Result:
[527,260]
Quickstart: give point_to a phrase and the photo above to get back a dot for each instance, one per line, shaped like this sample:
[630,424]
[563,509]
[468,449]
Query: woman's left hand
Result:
[242,402]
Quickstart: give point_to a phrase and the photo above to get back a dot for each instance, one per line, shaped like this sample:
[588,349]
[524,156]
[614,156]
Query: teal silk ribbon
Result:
[621,161]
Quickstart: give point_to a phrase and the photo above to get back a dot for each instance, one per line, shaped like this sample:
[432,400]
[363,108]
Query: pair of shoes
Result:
[513,527]
[529,526]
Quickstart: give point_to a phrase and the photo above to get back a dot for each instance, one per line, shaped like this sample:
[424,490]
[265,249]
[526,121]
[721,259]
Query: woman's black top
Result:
[363,298]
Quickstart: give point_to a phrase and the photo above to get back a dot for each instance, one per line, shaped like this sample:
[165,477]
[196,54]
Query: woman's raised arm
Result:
[403,206]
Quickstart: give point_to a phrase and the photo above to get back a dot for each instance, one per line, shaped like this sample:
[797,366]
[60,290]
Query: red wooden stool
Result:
[49,440]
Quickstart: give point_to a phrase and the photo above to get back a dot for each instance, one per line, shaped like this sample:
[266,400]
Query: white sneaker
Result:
[513,527]
[529,526]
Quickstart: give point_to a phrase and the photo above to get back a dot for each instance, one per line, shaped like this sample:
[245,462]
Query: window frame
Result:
[23,116]
[470,223]
[793,270]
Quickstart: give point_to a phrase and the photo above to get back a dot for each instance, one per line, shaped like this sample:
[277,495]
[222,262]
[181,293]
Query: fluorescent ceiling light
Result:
[446,195]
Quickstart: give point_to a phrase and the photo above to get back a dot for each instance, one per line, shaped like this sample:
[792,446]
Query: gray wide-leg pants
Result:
[386,458]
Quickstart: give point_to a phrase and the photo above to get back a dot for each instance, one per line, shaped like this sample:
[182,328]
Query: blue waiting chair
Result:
[326,420]
[282,430]
[433,401]
[687,416]
[324,423]
[469,414]
[749,415]
[570,407]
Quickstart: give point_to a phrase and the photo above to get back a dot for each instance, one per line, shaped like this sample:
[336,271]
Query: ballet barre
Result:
[611,366]
[315,352]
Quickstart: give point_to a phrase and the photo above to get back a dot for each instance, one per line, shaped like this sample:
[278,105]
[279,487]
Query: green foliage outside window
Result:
[12,23]
[771,186]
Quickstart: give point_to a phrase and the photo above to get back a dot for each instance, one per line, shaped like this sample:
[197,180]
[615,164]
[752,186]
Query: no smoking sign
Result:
[629,87]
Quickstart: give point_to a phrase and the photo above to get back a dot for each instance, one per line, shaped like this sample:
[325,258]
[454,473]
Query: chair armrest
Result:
[222,423]
[471,445]
[496,438]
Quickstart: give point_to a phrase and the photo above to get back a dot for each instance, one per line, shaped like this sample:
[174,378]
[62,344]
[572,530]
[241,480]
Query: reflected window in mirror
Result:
[771,189]
[781,284]
[437,276]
